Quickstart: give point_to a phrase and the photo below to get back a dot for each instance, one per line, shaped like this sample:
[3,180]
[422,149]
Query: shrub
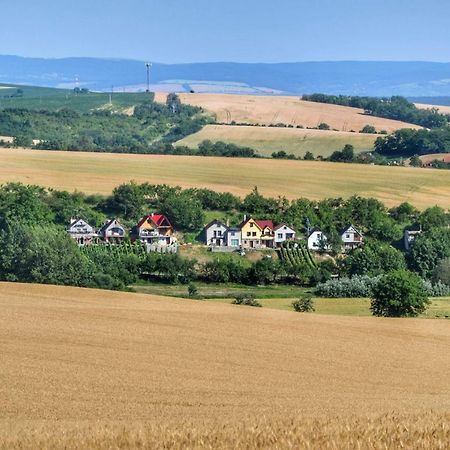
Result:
[192,290]
[247,300]
[399,294]
[438,289]
[304,304]
[357,286]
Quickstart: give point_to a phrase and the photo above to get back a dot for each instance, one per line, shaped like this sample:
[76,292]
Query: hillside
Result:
[266,140]
[270,110]
[141,364]
[376,78]
[51,99]
[101,172]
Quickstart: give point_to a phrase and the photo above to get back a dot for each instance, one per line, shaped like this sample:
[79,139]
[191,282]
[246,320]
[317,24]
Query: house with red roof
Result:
[257,233]
[154,229]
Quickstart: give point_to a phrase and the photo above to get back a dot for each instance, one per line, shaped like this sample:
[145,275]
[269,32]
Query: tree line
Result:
[395,108]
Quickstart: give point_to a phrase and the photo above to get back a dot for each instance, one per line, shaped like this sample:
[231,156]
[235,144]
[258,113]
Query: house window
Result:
[254,233]
[280,235]
[252,224]
[234,242]
[347,236]
[289,236]
[233,233]
[248,233]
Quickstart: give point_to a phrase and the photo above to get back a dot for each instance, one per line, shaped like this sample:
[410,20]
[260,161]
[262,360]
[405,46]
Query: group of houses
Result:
[263,234]
[154,231]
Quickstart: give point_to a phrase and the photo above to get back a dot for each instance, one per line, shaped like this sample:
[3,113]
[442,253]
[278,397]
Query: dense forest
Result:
[396,108]
[36,248]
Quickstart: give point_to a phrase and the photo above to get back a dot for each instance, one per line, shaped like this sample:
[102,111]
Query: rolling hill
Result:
[98,369]
[271,110]
[101,172]
[295,141]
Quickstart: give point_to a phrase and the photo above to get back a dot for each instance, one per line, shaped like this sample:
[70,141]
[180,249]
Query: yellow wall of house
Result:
[250,227]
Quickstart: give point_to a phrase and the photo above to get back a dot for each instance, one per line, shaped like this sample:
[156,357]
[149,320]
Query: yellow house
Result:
[257,233]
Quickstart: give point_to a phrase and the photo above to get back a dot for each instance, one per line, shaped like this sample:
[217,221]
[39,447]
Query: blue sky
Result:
[228,30]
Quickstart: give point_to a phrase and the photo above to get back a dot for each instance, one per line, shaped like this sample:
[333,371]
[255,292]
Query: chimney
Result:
[228,223]
[245,217]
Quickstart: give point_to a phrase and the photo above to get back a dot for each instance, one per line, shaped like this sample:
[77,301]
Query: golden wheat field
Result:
[101,172]
[95,369]
[442,109]
[265,140]
[288,110]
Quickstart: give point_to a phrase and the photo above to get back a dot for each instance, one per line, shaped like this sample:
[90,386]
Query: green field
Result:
[266,140]
[280,297]
[54,99]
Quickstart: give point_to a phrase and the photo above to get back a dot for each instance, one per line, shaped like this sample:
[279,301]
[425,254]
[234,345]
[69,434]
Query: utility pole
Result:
[148,65]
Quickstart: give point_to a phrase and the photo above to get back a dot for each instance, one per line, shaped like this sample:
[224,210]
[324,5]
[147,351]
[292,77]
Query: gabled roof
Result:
[159,220]
[283,225]
[82,222]
[264,224]
[345,229]
[314,230]
[108,224]
[215,222]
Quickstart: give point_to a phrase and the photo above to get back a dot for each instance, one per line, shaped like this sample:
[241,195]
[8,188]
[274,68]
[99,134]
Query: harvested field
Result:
[98,369]
[284,109]
[101,172]
[442,109]
[445,157]
[292,140]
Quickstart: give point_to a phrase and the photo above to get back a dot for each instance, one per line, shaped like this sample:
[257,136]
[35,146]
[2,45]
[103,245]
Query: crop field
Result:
[445,157]
[101,172]
[442,109]
[267,140]
[269,110]
[95,369]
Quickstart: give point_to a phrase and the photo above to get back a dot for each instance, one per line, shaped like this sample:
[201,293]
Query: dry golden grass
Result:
[440,156]
[101,172]
[442,109]
[284,109]
[94,369]
[292,140]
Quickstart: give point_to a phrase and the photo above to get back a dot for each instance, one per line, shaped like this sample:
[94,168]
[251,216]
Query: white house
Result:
[215,234]
[351,237]
[317,241]
[112,231]
[82,232]
[233,237]
[283,233]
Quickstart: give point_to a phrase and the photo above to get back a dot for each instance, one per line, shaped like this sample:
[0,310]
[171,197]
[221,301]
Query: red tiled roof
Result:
[264,224]
[157,219]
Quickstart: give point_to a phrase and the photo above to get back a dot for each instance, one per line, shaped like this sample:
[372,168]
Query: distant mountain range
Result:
[410,79]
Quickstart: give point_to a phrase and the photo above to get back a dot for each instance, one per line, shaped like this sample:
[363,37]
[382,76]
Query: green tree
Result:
[442,272]
[415,161]
[399,294]
[434,217]
[370,129]
[309,156]
[42,254]
[127,200]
